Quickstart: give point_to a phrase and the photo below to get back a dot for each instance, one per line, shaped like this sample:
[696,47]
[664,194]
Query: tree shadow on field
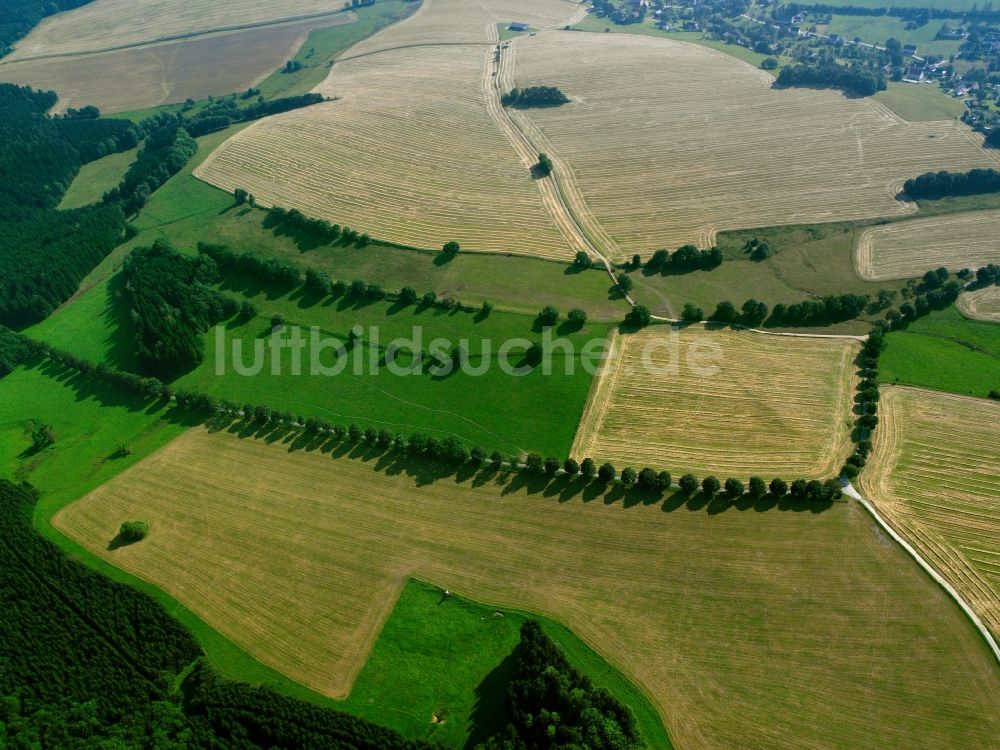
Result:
[489,711]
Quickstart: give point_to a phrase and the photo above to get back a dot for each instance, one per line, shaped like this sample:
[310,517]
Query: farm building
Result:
[909,50]
[520,27]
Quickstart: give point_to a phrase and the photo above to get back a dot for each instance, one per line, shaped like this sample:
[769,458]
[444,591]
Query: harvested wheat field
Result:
[670,141]
[114,24]
[909,248]
[409,154]
[935,474]
[150,75]
[776,406]
[775,629]
[981,304]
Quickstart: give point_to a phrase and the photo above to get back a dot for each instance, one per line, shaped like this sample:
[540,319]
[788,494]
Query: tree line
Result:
[905,12]
[852,80]
[90,663]
[866,402]
[319,229]
[551,705]
[222,113]
[931,185]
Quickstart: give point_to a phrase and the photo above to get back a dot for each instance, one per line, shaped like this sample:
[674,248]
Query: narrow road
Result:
[951,591]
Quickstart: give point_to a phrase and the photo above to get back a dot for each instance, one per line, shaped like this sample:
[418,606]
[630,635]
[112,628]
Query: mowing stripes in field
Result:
[935,474]
[671,141]
[981,304]
[909,248]
[777,406]
[747,629]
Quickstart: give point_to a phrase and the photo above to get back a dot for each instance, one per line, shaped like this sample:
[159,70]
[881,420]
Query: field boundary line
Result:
[987,636]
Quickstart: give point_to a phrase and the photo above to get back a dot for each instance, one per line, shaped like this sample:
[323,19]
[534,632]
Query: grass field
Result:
[661,182]
[448,658]
[876,29]
[96,178]
[777,629]
[935,474]
[806,261]
[909,248]
[775,406]
[981,304]
[919,103]
[946,352]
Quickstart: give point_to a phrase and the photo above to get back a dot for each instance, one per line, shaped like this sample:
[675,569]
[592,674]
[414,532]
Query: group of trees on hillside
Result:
[172,305]
[534,96]
[551,705]
[684,259]
[853,80]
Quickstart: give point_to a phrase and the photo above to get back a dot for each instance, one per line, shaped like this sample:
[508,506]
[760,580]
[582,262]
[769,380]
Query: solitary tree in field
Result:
[549,316]
[625,283]
[133,531]
[710,485]
[606,473]
[582,260]
[577,317]
[725,312]
[638,317]
[450,249]
[407,295]
[240,195]
[691,313]
[688,483]
[487,307]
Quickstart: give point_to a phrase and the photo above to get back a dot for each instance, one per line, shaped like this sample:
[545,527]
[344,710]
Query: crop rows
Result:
[935,472]
[749,629]
[778,406]
[909,248]
[670,142]
[981,304]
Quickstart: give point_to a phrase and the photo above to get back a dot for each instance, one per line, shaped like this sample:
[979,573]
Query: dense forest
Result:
[88,663]
[172,305]
[941,184]
[18,17]
[551,706]
[852,80]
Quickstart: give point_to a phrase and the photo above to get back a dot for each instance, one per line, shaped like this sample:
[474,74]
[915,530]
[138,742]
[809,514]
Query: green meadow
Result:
[96,178]
[944,351]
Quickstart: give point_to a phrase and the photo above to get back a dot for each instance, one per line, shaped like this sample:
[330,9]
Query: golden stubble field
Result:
[777,629]
[775,406]
[981,304]
[935,474]
[909,248]
[670,142]
[168,72]
[415,149]
[112,24]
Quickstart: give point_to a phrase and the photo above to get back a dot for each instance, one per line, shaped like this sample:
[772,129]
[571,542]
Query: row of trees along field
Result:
[550,705]
[18,17]
[853,80]
[931,185]
[88,663]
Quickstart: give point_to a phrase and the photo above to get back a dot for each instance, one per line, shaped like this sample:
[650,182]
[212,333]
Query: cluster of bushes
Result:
[319,229]
[854,80]
[867,399]
[549,316]
[988,275]
[757,249]
[684,259]
[534,96]
[172,306]
[92,663]
[552,705]
[941,184]
[934,292]
[544,166]
[319,283]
